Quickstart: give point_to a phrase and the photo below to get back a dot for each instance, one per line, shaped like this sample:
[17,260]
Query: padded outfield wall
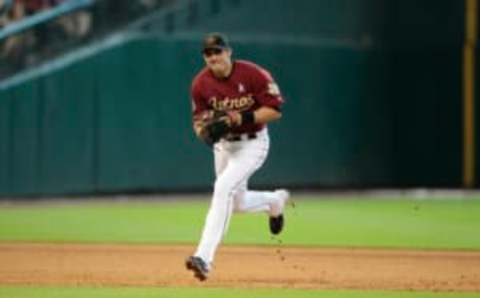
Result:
[376,109]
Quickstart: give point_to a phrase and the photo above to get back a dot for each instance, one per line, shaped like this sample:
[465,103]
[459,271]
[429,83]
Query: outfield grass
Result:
[375,222]
[29,292]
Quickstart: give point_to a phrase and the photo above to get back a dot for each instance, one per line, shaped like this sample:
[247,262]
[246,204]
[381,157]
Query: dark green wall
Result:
[422,24]
[5,116]
[67,129]
[325,19]
[425,89]
[417,71]
[329,134]
[120,121]
[112,122]
[374,101]
[24,145]
[477,116]
[145,136]
[398,23]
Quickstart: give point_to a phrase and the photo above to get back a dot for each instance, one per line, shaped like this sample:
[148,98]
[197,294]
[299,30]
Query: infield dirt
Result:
[247,267]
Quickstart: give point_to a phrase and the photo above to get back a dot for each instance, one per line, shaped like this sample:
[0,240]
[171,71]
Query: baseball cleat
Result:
[198,266]
[276,220]
[276,224]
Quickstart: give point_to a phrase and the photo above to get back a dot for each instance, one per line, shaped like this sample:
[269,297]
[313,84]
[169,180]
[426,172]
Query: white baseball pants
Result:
[235,162]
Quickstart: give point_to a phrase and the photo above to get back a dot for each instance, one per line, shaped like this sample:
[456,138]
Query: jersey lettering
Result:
[228,104]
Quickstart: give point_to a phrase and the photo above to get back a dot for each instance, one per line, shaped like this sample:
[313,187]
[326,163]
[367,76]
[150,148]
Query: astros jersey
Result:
[246,89]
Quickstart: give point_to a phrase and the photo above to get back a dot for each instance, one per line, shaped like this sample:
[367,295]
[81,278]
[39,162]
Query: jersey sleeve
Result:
[199,105]
[266,89]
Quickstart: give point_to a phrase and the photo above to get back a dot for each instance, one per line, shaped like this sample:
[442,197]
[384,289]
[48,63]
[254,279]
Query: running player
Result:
[251,98]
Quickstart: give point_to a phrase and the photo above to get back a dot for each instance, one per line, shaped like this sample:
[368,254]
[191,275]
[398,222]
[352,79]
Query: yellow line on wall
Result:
[469,93]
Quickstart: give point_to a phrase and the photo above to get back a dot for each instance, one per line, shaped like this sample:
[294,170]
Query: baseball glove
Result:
[212,126]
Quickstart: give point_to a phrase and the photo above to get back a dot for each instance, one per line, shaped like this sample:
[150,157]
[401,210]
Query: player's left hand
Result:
[211,126]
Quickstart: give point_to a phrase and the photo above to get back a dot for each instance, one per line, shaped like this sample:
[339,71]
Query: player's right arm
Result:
[266,114]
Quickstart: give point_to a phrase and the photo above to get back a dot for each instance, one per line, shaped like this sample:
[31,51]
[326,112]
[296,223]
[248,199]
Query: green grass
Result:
[446,223]
[31,292]
[327,222]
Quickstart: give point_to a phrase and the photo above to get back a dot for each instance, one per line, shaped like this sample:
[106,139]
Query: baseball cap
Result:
[215,41]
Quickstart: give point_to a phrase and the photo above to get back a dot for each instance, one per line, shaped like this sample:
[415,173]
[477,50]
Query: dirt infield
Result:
[149,265]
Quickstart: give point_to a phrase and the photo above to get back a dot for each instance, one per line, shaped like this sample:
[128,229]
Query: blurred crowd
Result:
[46,39]
[15,49]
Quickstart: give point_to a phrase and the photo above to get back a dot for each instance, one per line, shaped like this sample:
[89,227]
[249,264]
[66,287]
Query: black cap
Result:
[215,41]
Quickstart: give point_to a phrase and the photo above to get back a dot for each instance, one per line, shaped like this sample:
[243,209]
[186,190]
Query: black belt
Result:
[241,137]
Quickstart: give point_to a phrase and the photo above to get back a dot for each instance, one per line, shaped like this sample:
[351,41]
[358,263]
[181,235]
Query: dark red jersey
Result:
[246,89]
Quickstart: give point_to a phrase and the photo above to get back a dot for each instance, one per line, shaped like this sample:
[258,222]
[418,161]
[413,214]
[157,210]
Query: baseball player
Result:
[233,100]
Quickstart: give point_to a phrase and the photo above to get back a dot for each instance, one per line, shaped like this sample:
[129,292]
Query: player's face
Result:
[218,60]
